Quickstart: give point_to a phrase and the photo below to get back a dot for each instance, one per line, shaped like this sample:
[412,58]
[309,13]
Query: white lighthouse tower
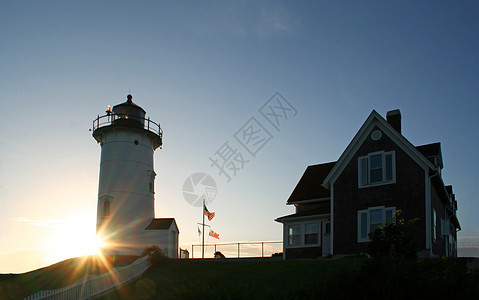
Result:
[126,191]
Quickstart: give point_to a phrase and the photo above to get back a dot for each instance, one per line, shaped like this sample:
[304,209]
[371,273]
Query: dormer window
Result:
[376,168]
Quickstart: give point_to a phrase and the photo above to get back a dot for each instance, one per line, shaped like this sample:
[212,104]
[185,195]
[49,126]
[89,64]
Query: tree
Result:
[394,240]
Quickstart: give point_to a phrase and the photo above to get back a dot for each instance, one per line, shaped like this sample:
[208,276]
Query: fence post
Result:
[262,249]
[238,250]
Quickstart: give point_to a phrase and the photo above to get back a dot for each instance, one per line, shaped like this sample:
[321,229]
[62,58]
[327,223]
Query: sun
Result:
[75,239]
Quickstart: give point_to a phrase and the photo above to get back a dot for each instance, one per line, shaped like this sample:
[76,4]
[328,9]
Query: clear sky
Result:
[203,69]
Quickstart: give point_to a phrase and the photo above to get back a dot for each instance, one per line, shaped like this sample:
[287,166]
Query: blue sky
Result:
[202,69]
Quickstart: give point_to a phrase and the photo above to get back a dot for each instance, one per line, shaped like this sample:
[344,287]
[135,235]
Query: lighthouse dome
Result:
[129,114]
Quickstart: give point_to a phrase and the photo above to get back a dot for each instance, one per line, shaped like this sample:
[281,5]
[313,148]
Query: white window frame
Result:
[367,212]
[434,224]
[366,182]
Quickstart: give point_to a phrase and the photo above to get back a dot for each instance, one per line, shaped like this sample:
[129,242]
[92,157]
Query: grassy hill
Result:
[236,279]
[346,278]
[18,286]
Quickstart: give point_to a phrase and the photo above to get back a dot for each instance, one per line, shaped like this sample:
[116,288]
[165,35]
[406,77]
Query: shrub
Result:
[149,250]
[394,240]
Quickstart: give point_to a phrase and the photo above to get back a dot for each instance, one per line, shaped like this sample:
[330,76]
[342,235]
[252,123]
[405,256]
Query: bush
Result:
[156,255]
[149,250]
[394,240]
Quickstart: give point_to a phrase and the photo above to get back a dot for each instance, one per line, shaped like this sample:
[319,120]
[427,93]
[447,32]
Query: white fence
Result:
[93,285]
[238,249]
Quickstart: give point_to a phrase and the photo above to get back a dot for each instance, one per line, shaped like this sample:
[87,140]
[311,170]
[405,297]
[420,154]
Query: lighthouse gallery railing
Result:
[109,119]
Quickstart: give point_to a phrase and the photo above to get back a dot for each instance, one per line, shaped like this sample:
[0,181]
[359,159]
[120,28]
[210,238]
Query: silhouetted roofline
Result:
[161,224]
[431,150]
[374,119]
[308,213]
[309,186]
[129,103]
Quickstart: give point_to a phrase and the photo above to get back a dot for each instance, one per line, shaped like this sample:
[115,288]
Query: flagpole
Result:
[203,242]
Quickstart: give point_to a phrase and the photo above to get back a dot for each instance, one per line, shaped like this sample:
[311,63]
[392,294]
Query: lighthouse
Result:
[126,220]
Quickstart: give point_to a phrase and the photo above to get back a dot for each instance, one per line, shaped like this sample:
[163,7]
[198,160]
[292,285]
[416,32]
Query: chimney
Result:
[394,119]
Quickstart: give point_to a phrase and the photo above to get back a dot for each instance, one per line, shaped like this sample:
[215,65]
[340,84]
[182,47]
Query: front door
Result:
[326,234]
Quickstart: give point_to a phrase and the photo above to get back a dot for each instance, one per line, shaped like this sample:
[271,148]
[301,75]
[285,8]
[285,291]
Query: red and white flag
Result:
[210,215]
[214,234]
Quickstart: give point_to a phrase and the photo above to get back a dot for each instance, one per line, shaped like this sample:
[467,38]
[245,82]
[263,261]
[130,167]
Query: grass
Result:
[346,278]
[193,279]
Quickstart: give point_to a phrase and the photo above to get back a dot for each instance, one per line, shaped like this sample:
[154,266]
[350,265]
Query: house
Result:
[339,203]
[164,233]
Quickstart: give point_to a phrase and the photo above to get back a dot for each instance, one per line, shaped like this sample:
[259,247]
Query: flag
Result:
[210,215]
[214,234]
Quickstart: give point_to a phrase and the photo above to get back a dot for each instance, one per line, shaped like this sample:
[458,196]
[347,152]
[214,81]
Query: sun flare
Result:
[76,239]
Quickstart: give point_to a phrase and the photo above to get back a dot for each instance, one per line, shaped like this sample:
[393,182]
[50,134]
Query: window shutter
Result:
[363,171]
[362,225]
[389,166]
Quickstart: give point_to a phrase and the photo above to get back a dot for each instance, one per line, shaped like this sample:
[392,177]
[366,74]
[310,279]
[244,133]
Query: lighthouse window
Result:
[151,187]
[136,142]
[104,205]
[106,208]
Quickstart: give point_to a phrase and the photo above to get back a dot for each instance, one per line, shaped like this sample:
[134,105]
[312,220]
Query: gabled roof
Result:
[312,212]
[431,150]
[161,224]
[373,120]
[310,185]
[449,189]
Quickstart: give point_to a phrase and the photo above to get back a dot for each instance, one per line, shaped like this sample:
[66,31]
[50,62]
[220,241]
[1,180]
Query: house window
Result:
[294,234]
[371,218]
[311,233]
[375,219]
[376,168]
[434,226]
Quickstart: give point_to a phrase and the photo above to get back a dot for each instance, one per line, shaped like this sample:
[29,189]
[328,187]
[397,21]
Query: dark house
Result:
[339,203]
